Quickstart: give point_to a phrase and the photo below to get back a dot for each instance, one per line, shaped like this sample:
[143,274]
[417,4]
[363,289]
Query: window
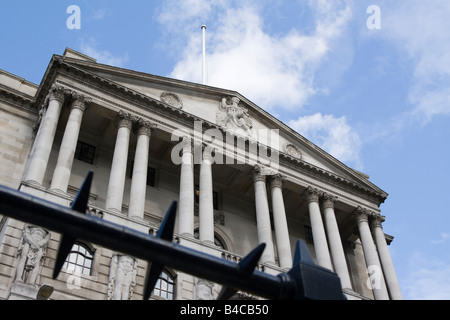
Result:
[79,259]
[308,235]
[85,152]
[165,286]
[151,177]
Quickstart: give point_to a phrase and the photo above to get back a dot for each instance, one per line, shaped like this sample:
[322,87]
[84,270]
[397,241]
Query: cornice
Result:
[59,66]
[18,100]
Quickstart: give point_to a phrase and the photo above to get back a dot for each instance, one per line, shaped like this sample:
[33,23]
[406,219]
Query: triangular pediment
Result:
[226,109]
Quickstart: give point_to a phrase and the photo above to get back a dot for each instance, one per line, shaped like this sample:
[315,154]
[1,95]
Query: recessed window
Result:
[85,152]
[79,259]
[309,235]
[165,286]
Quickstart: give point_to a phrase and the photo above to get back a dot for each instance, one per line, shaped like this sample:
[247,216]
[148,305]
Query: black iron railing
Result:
[304,281]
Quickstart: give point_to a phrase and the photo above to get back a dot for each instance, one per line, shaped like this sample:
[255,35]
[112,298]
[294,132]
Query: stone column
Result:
[43,143]
[376,279]
[318,231]
[139,179]
[61,175]
[206,205]
[263,215]
[186,203]
[385,257]
[336,248]
[280,222]
[117,176]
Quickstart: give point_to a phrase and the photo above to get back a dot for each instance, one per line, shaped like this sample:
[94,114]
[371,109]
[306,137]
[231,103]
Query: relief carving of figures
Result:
[235,119]
[122,277]
[31,253]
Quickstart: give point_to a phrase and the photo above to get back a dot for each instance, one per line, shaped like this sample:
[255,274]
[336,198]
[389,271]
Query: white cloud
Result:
[274,71]
[443,238]
[102,56]
[419,28]
[332,134]
[427,278]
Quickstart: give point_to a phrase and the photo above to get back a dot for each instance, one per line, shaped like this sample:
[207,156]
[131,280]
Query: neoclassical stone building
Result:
[241,177]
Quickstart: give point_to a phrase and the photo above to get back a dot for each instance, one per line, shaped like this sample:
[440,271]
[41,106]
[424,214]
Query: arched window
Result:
[165,286]
[217,240]
[79,259]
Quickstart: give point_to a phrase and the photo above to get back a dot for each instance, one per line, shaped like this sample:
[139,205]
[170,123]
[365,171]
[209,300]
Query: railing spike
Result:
[79,204]
[246,267]
[165,232]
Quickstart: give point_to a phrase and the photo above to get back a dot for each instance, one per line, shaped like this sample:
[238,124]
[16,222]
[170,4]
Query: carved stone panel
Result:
[172,99]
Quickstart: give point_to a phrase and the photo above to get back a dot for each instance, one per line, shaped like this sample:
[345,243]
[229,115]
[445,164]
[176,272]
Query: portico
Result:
[256,201]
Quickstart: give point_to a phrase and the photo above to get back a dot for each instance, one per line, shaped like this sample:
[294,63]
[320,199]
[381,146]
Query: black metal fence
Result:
[305,280]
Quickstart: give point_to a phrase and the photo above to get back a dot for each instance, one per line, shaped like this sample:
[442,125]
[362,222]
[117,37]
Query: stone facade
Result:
[241,177]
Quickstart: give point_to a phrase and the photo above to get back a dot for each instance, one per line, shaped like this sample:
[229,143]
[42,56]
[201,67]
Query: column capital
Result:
[123,119]
[58,93]
[276,181]
[361,214]
[258,174]
[144,127]
[377,220]
[312,194]
[80,101]
[328,200]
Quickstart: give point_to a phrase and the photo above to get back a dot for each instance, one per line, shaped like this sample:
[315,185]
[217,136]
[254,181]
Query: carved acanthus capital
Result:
[80,101]
[58,93]
[258,174]
[361,214]
[312,194]
[276,181]
[328,200]
[144,127]
[124,119]
[377,220]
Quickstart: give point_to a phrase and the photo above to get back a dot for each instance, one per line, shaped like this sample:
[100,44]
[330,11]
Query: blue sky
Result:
[377,99]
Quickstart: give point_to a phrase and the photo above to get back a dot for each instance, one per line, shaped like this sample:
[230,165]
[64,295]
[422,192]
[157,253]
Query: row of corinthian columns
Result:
[330,253]
[328,246]
[125,122]
[327,242]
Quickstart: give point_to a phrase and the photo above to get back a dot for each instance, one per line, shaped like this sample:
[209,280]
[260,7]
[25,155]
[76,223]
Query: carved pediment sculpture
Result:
[234,118]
